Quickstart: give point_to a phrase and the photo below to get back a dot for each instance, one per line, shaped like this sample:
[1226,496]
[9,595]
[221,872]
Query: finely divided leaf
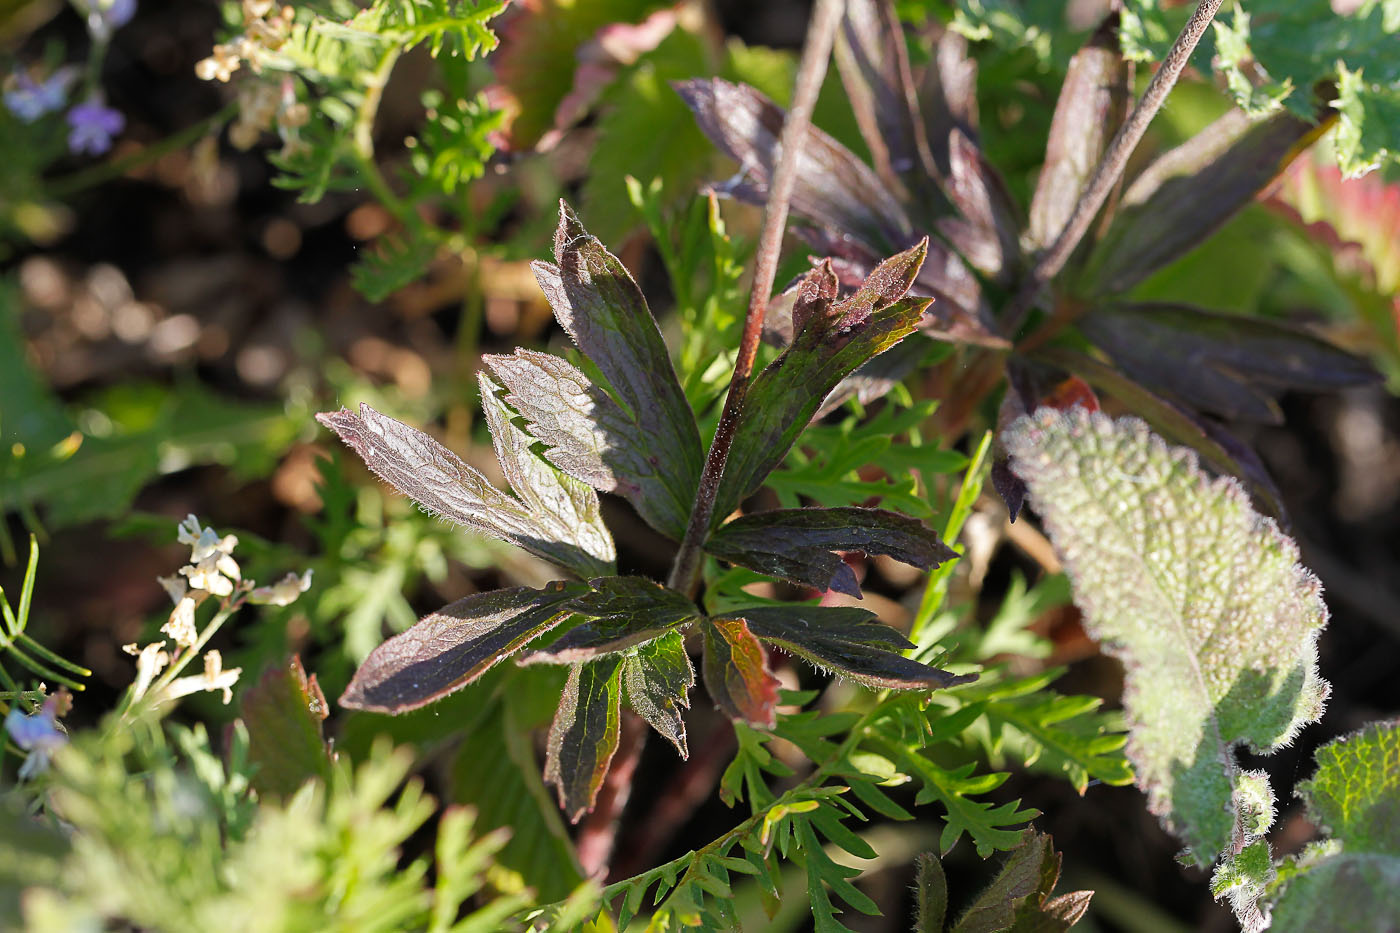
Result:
[450,648]
[1351,880]
[584,734]
[624,612]
[830,341]
[848,641]
[798,544]
[658,678]
[283,712]
[566,505]
[737,675]
[1201,598]
[438,480]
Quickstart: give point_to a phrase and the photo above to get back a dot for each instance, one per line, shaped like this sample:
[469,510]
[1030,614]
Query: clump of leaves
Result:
[620,423]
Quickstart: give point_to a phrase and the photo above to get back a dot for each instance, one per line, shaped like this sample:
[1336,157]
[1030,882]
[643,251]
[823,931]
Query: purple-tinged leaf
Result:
[590,436]
[602,309]
[283,712]
[948,96]
[567,506]
[584,734]
[737,675]
[658,678]
[1009,486]
[797,544]
[438,480]
[1019,897]
[624,612]
[1184,209]
[450,648]
[874,64]
[986,231]
[830,343]
[1093,102]
[1228,364]
[834,189]
[850,642]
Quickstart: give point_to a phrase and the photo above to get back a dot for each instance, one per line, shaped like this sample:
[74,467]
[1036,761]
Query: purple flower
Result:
[105,17]
[93,126]
[29,99]
[39,735]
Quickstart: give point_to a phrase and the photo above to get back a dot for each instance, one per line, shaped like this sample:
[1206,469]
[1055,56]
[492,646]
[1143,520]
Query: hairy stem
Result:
[816,53]
[1110,167]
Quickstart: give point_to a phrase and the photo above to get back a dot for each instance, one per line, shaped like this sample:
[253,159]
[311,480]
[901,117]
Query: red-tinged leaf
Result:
[1187,206]
[850,642]
[737,675]
[584,734]
[658,678]
[568,506]
[624,612]
[283,712]
[834,189]
[1093,102]
[450,648]
[438,480]
[1227,364]
[1071,393]
[830,344]
[986,231]
[589,436]
[798,544]
[874,63]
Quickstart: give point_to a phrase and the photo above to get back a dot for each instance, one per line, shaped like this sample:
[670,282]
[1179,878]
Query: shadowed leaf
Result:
[986,230]
[584,734]
[283,712]
[737,675]
[438,480]
[1018,899]
[797,544]
[1092,103]
[847,641]
[624,612]
[831,341]
[450,648]
[1200,596]
[931,893]
[1227,364]
[658,678]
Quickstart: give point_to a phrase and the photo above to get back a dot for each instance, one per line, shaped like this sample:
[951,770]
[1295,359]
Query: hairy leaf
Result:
[584,734]
[283,712]
[600,307]
[1227,364]
[658,678]
[831,339]
[1201,598]
[438,480]
[737,675]
[1018,899]
[624,612]
[1093,101]
[931,893]
[450,648]
[797,544]
[1350,880]
[848,641]
[568,506]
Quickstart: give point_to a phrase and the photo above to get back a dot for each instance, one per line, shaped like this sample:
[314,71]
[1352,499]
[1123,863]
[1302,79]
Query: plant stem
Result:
[1110,167]
[816,53]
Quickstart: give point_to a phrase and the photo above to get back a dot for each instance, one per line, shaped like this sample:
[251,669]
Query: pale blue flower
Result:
[29,99]
[105,17]
[38,734]
[93,126]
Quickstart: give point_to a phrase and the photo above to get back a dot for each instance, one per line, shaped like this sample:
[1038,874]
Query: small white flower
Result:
[175,586]
[188,531]
[213,678]
[149,663]
[282,593]
[180,626]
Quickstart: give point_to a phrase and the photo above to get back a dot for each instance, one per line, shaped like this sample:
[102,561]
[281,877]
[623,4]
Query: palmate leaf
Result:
[450,648]
[1351,879]
[438,480]
[622,613]
[1201,598]
[798,544]
[584,734]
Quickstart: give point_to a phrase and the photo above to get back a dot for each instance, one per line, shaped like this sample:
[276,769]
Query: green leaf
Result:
[798,544]
[283,712]
[1351,880]
[737,675]
[931,894]
[658,678]
[450,648]
[1201,598]
[848,641]
[584,734]
[1061,734]
[567,507]
[625,612]
[831,339]
[984,823]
